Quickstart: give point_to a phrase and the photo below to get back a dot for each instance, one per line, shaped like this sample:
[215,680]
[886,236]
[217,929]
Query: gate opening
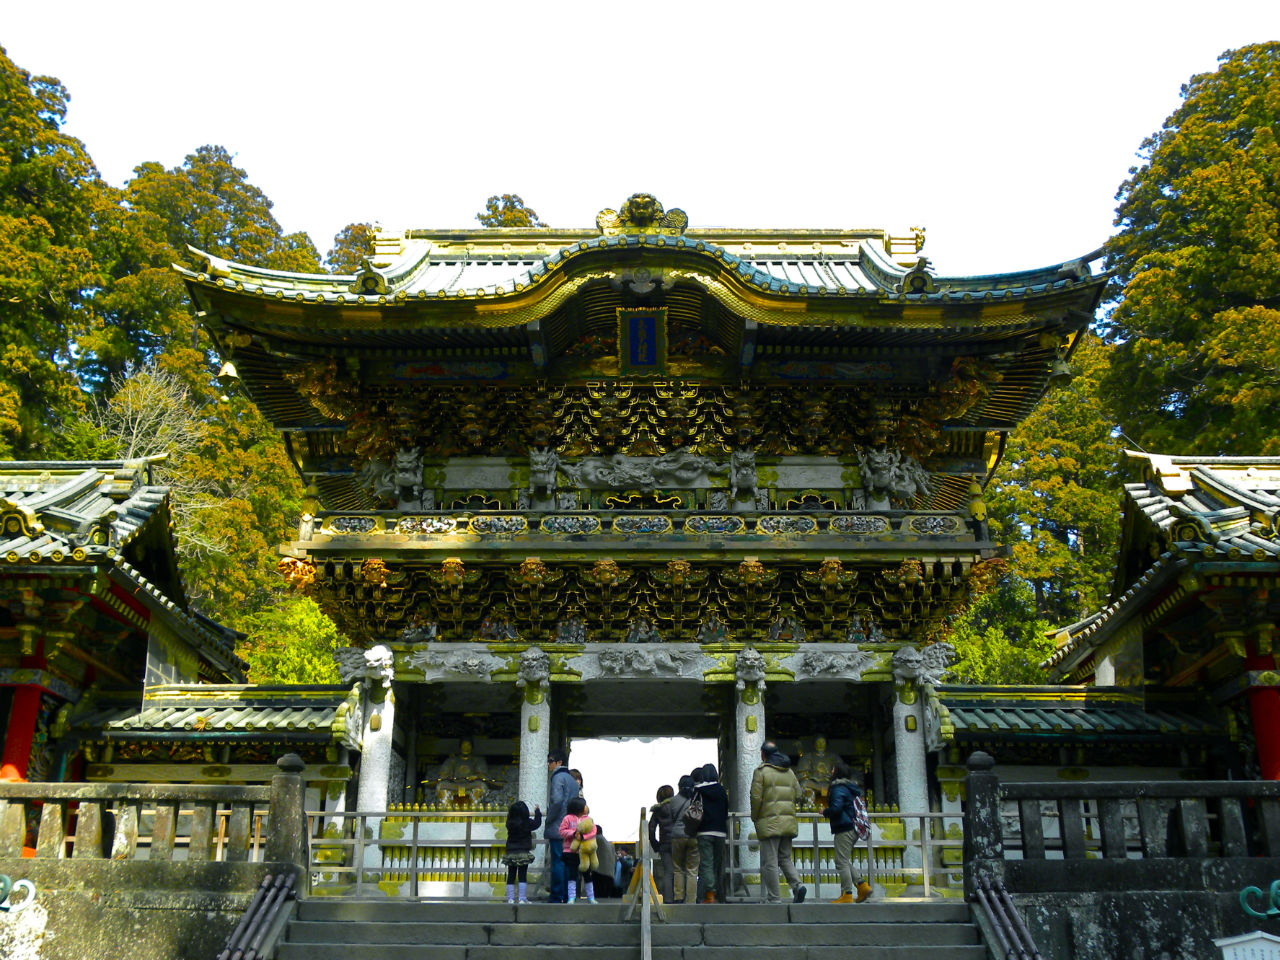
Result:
[622,774]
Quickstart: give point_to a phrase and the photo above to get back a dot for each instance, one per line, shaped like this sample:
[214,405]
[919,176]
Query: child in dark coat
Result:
[519,854]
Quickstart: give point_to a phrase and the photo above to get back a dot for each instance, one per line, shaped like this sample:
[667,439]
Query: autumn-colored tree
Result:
[1197,261]
[1055,499]
[508,210]
[52,205]
[351,245]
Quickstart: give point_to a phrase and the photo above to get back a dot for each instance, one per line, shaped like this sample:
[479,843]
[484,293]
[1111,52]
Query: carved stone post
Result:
[983,831]
[535,727]
[375,751]
[909,761]
[287,840]
[749,736]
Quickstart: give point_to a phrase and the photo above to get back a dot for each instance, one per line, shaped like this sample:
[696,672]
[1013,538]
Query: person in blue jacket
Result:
[841,796]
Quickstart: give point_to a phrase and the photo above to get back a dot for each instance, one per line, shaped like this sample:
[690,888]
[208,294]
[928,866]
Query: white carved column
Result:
[375,762]
[912,669]
[377,667]
[535,726]
[749,736]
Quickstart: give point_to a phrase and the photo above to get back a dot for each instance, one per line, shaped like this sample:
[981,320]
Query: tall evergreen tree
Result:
[1055,499]
[52,206]
[1197,325]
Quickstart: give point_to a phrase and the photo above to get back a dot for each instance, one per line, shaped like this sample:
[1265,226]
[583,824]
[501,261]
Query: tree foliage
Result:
[100,355]
[995,639]
[291,642]
[351,245]
[1055,499]
[508,210]
[52,206]
[1197,256]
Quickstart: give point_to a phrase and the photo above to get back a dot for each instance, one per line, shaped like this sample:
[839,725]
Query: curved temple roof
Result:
[1184,511]
[506,264]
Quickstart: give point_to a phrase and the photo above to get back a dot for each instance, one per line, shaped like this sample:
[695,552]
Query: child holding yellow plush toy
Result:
[578,832]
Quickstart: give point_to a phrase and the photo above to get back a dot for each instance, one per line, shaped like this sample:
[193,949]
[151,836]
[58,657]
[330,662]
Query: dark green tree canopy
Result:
[508,210]
[1197,325]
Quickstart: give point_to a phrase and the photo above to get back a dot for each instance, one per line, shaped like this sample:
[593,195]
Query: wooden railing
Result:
[164,822]
[135,821]
[1138,835]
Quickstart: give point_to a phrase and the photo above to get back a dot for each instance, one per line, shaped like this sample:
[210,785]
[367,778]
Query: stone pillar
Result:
[983,829]
[749,714]
[749,735]
[909,762]
[535,740]
[375,762]
[287,839]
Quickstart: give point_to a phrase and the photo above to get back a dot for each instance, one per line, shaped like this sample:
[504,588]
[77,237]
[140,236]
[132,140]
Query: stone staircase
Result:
[390,930]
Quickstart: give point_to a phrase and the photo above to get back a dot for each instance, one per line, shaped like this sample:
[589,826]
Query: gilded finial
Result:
[642,213]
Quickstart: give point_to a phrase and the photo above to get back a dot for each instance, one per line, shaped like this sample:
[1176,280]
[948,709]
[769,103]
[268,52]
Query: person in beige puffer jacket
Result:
[775,791]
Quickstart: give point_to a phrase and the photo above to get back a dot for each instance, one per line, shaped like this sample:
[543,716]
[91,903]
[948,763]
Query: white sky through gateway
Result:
[619,776]
[1004,128]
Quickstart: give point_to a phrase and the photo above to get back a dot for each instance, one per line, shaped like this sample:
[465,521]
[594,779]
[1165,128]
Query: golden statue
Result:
[461,777]
[814,770]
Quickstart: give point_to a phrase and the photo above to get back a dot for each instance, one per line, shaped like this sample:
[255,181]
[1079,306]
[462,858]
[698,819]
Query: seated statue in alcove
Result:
[462,777]
[814,770]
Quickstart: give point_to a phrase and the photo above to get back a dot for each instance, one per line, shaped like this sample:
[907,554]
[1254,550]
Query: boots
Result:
[524,892]
[511,893]
[709,897]
[844,898]
[573,891]
[864,891]
[591,891]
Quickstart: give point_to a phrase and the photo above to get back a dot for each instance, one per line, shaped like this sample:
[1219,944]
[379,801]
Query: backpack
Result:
[692,815]
[861,822]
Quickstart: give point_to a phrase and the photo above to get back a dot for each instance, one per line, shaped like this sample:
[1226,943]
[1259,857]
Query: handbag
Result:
[692,816]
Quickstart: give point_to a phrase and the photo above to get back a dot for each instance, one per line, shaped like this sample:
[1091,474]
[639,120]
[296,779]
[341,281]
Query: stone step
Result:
[312,951]
[410,911]
[618,934]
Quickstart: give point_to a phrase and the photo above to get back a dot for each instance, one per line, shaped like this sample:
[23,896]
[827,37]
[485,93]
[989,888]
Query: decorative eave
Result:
[861,286]
[214,643]
[1209,518]
[231,713]
[1067,714]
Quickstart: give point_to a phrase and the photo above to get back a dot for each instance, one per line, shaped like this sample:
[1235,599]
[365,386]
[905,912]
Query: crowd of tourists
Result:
[689,831]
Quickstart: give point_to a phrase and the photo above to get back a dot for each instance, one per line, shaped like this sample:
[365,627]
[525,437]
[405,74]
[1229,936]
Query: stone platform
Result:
[383,930]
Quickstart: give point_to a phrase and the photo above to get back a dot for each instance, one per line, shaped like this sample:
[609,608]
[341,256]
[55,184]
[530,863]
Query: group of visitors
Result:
[689,829]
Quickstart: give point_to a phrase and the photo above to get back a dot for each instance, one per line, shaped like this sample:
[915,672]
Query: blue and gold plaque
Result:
[642,341]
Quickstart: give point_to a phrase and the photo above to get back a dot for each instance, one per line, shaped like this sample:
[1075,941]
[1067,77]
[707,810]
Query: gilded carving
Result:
[642,213]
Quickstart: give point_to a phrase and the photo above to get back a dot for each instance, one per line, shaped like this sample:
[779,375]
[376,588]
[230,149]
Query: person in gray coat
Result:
[563,789]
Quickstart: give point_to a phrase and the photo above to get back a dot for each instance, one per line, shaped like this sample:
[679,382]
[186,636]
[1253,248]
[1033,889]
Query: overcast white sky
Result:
[1003,128]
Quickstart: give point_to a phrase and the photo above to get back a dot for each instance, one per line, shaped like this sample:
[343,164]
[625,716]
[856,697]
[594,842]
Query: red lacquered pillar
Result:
[1264,711]
[20,733]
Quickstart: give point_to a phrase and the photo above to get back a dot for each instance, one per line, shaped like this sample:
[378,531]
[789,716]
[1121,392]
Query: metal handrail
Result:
[930,840]
[927,844]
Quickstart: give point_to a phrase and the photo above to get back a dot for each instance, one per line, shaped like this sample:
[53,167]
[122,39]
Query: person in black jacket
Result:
[713,833]
[519,852]
[840,806]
